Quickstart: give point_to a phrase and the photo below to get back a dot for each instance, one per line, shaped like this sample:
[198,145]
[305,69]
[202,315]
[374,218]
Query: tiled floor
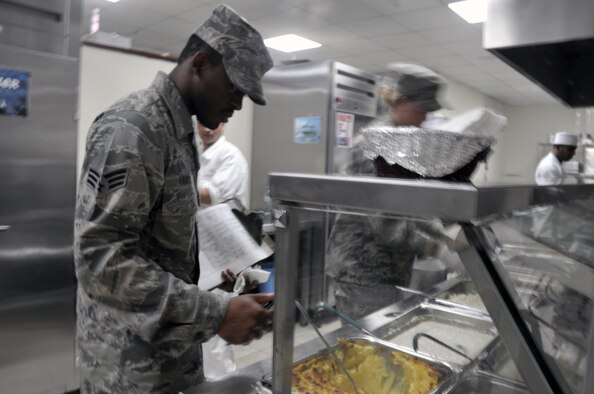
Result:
[262,348]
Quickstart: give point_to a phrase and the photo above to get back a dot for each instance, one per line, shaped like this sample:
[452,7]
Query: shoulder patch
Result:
[109,182]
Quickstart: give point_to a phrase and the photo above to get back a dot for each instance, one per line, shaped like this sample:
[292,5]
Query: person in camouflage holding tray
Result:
[368,256]
[141,318]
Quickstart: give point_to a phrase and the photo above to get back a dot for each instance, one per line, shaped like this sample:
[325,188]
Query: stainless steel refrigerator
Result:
[312,109]
[314,112]
[39,67]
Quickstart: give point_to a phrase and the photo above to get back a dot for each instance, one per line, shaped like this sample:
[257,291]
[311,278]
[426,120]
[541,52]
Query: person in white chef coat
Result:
[223,168]
[549,170]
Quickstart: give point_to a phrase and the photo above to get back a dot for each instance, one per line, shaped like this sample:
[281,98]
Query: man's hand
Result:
[245,319]
[229,279]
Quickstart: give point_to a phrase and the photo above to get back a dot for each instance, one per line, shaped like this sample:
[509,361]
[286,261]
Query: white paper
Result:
[224,243]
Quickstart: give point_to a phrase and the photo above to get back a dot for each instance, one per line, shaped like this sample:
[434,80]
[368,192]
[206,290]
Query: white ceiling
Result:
[366,34]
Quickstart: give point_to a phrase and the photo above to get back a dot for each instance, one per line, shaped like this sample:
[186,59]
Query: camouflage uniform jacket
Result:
[141,318]
[368,255]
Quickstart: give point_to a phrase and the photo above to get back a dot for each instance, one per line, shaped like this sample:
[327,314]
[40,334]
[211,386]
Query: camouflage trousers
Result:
[357,301]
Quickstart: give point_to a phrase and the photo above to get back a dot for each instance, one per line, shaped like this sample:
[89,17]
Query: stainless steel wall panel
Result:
[37,177]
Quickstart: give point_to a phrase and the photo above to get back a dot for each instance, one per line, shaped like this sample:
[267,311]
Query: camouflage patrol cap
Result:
[241,47]
[418,85]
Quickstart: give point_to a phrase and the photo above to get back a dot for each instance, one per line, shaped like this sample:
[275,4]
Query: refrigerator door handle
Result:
[4,228]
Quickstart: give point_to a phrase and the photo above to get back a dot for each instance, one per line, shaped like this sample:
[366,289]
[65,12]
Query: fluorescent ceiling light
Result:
[290,43]
[113,1]
[473,11]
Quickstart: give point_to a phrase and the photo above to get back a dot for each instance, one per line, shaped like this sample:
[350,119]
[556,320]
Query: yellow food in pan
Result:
[374,370]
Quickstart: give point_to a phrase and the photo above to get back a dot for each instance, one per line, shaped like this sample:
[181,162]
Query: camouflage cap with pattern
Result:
[241,47]
[418,85]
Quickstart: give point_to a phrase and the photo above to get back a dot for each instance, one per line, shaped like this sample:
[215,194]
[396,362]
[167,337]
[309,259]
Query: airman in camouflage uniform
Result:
[367,256]
[141,318]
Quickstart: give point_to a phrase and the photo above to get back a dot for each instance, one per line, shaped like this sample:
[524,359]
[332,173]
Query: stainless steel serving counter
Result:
[489,230]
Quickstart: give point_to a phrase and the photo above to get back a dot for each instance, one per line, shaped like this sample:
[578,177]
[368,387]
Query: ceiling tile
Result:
[402,40]
[255,9]
[495,66]
[323,53]
[341,11]
[447,61]
[292,20]
[150,39]
[175,27]
[387,7]
[169,7]
[462,71]
[373,27]
[357,47]
[430,18]
[480,57]
[362,63]
[126,19]
[482,78]
[511,76]
[197,15]
[330,35]
[363,33]
[385,57]
[468,47]
[297,3]
[424,51]
[451,34]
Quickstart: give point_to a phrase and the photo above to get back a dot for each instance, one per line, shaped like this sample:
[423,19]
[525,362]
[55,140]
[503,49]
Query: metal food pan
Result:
[447,374]
[498,362]
[456,319]
[481,384]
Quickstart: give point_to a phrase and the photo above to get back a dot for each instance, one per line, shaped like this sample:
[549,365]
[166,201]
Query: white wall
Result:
[529,126]
[106,76]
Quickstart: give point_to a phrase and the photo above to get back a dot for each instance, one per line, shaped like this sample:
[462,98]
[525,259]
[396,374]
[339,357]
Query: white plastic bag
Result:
[217,355]
[219,359]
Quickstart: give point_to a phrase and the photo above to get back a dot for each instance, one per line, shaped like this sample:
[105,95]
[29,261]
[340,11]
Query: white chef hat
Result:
[564,138]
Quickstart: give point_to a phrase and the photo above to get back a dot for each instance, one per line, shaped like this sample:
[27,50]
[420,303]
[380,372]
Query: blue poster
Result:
[14,89]
[308,130]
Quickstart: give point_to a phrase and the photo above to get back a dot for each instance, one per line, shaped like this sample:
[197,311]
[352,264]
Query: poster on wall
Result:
[14,89]
[307,130]
[345,124]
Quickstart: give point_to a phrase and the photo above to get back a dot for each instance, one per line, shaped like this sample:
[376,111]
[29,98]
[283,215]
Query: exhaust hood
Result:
[551,42]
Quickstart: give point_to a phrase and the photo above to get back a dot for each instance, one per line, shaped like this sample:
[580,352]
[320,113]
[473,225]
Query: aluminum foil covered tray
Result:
[376,367]
[429,153]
